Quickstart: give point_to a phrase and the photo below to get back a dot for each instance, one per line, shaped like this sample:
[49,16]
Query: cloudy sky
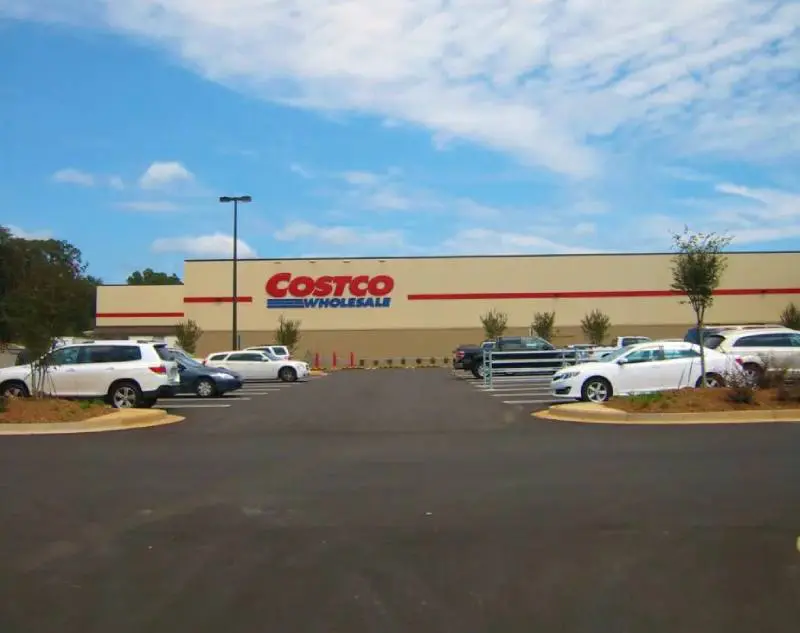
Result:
[417,127]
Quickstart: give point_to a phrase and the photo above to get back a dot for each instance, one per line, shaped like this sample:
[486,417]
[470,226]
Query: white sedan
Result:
[643,368]
[255,365]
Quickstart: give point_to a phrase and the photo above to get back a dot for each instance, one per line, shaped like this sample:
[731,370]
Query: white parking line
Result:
[547,401]
[516,394]
[192,406]
[210,399]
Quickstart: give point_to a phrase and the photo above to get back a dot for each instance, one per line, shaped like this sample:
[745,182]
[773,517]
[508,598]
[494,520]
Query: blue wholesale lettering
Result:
[352,302]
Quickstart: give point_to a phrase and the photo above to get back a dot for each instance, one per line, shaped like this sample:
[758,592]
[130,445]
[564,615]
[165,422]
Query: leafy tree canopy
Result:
[150,277]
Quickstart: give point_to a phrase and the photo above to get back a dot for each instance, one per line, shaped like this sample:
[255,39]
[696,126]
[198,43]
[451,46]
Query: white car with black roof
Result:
[644,368]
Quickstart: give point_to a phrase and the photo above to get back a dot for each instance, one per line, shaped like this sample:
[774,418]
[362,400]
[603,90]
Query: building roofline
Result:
[515,256]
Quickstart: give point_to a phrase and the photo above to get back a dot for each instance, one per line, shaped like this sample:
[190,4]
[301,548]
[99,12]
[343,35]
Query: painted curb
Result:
[317,372]
[597,414]
[116,421]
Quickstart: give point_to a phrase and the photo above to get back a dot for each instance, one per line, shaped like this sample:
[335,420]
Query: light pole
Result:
[235,302]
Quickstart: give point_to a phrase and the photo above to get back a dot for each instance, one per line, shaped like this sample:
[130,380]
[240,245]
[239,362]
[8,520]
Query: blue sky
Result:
[416,129]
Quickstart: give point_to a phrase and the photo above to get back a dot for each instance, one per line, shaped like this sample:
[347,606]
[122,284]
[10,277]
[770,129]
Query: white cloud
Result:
[540,80]
[74,177]
[211,246]
[156,206]
[480,241]
[301,171]
[116,182]
[29,235]
[339,235]
[585,228]
[164,174]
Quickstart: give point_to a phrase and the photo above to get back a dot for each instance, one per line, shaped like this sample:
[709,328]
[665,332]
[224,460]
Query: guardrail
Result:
[527,362]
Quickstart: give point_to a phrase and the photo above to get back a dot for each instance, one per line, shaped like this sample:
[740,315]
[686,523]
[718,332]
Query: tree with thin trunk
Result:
[288,333]
[494,324]
[697,269]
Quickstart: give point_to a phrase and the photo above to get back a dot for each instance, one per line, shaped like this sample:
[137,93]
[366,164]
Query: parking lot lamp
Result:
[235,298]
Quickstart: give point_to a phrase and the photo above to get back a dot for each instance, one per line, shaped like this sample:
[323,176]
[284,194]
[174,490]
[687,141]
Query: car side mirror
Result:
[622,361]
[181,367]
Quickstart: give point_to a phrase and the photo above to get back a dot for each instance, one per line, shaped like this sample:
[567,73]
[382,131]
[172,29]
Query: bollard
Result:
[316,361]
[352,359]
[334,360]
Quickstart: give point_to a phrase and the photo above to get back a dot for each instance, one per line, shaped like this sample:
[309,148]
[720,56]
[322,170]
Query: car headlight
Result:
[566,375]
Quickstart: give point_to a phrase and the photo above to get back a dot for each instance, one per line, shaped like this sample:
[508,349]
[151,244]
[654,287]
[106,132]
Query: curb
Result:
[317,372]
[598,414]
[122,420]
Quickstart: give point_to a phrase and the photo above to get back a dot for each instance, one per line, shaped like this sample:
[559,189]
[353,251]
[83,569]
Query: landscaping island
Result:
[37,410]
[706,400]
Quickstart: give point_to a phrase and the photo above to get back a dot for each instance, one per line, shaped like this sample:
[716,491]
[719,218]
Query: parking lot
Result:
[251,391]
[399,500]
[528,391]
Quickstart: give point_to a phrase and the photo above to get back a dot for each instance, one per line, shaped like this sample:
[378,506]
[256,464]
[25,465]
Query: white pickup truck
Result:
[596,352]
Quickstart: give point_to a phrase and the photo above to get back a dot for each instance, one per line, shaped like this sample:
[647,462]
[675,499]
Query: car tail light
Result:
[459,355]
[159,369]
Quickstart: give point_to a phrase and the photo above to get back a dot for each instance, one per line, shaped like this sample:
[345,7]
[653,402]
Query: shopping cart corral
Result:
[538,364]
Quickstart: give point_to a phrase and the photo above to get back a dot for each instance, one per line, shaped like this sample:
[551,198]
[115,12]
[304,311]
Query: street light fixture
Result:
[235,302]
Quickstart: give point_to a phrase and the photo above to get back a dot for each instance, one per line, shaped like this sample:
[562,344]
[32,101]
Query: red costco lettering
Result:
[283,284]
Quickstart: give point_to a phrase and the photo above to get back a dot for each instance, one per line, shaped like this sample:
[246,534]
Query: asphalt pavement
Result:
[397,501]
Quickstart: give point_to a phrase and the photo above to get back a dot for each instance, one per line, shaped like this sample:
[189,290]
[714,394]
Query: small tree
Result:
[697,269]
[544,325]
[288,333]
[188,334]
[790,317]
[595,326]
[494,324]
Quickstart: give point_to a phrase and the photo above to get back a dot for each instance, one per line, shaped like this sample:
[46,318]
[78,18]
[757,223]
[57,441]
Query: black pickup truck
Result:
[470,357]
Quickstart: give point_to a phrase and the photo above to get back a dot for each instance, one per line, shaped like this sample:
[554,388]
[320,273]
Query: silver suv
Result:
[759,350]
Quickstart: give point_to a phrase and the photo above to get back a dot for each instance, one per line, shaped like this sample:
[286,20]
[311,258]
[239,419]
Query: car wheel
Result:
[753,372]
[479,371]
[713,381]
[125,394]
[287,374]
[14,389]
[596,390]
[205,388]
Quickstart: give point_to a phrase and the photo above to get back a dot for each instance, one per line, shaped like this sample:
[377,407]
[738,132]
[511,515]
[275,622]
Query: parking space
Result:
[253,390]
[533,391]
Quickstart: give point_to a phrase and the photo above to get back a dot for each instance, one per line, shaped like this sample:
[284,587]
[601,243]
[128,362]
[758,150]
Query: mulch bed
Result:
[32,410]
[701,400]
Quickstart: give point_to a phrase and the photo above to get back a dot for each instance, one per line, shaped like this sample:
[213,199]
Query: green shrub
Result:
[790,317]
[188,334]
[419,361]
[389,361]
[361,362]
[494,324]
[376,362]
[433,360]
[595,326]
[402,361]
[544,325]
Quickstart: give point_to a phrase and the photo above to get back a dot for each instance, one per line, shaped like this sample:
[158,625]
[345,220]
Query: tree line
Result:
[47,292]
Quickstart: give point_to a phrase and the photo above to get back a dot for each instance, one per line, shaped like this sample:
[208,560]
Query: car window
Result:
[246,357]
[763,340]
[110,354]
[217,357]
[163,352]
[63,356]
[645,355]
[280,351]
[686,352]
[795,339]
[713,341]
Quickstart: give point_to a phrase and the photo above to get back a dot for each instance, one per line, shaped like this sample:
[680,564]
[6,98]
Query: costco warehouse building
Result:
[425,306]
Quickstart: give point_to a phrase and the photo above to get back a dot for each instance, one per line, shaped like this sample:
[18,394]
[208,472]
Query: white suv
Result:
[125,373]
[281,352]
[759,349]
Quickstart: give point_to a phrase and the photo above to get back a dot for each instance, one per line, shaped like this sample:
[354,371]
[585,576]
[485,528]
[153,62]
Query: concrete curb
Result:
[121,420]
[318,372]
[598,414]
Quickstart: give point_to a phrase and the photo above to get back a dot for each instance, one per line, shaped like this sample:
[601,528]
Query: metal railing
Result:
[534,363]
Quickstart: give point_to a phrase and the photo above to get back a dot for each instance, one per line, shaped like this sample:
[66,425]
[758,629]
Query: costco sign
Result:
[343,291]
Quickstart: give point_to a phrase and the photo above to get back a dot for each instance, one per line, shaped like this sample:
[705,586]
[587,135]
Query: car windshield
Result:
[612,356]
[280,350]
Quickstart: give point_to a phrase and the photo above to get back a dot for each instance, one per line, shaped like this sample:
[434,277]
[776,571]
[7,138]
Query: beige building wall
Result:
[436,303]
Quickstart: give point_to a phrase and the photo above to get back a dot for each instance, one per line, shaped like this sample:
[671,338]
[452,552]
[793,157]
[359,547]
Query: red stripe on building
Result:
[139,315]
[594,294]
[217,299]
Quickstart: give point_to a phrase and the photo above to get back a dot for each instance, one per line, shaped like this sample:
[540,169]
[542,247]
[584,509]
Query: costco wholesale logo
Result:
[344,291]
